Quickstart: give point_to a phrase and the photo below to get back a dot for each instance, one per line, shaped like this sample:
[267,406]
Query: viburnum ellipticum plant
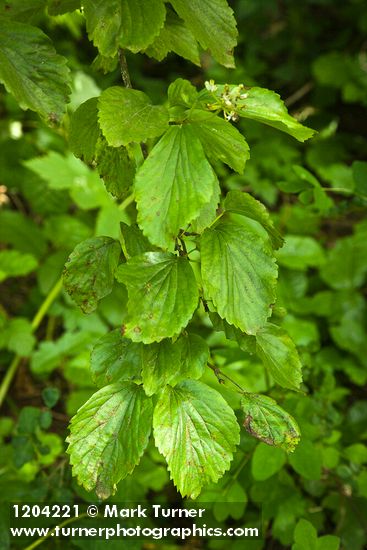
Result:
[191,253]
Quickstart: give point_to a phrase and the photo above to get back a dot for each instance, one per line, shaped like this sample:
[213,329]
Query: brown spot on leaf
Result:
[53,118]
[251,431]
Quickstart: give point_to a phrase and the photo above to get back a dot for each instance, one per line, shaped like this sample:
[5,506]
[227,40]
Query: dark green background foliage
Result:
[61,343]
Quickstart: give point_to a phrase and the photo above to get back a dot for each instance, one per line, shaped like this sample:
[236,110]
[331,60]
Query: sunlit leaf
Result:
[108,435]
[163,295]
[197,432]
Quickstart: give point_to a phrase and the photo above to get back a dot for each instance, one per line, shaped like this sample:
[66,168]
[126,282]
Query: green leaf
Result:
[268,422]
[16,264]
[127,116]
[360,177]
[330,457]
[266,106]
[321,200]
[22,11]
[28,420]
[356,453]
[305,536]
[50,396]
[175,37]
[300,253]
[246,343]
[333,69]
[338,175]
[220,140]
[116,168]
[59,7]
[266,461]
[105,64]
[280,356]
[181,93]
[208,212]
[194,356]
[108,435]
[42,199]
[197,432]
[362,483]
[246,205]
[115,358]
[66,232]
[129,24]
[163,295]
[45,90]
[22,232]
[257,104]
[84,87]
[161,365]
[239,275]
[169,362]
[60,172]
[51,354]
[84,130]
[172,185]
[346,263]
[90,270]
[328,542]
[108,220]
[304,333]
[18,337]
[307,460]
[133,242]
[213,25]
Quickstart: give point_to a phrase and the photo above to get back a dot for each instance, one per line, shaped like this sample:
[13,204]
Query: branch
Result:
[299,94]
[218,373]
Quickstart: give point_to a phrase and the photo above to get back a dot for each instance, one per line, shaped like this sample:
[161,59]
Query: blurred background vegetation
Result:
[314,54]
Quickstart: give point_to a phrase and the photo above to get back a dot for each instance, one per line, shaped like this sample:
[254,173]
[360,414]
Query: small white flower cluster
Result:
[211,86]
[228,99]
